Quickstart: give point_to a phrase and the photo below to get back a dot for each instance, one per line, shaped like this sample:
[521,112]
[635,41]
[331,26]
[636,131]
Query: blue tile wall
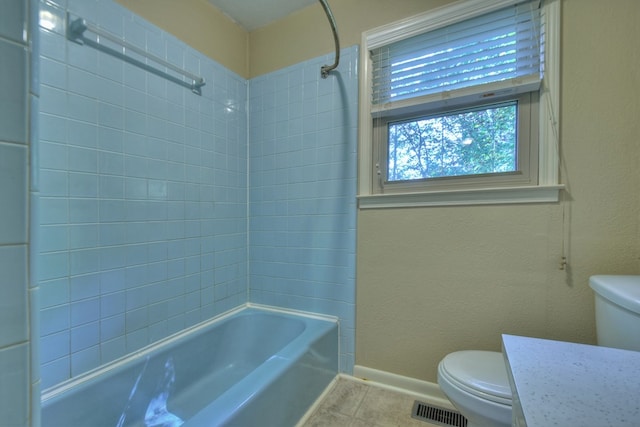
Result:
[18,378]
[143,224]
[302,203]
[160,208]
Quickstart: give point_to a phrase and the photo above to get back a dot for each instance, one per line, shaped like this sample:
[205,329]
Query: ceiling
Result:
[252,14]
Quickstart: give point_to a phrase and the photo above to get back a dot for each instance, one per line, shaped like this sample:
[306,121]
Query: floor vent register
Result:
[435,415]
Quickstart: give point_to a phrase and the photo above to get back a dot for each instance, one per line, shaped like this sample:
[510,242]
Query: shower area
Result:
[164,194]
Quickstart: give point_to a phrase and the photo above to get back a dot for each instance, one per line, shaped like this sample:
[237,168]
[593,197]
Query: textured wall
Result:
[299,37]
[306,34]
[436,280]
[143,213]
[201,26]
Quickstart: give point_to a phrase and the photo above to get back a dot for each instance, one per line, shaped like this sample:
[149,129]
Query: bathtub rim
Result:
[58,389]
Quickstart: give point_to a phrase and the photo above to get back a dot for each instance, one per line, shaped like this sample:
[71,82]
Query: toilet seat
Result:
[480,373]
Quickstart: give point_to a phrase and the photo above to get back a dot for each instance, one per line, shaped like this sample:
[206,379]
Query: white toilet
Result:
[477,384]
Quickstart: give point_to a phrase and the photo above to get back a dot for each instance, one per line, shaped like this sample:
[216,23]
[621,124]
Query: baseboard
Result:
[425,390]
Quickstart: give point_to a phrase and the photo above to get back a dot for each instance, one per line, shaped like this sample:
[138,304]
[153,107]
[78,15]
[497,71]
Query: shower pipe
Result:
[75,32]
[325,69]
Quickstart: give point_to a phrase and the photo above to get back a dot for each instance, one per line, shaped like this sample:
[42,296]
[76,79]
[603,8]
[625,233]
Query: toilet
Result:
[477,384]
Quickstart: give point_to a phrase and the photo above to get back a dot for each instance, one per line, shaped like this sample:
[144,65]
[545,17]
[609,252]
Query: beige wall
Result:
[435,280]
[307,33]
[303,35]
[200,25]
[431,281]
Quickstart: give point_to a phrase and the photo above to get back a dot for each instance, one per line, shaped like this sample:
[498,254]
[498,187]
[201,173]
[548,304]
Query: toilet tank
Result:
[617,311]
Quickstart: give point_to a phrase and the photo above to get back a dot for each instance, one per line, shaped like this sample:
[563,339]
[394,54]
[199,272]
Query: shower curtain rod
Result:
[325,69]
[75,32]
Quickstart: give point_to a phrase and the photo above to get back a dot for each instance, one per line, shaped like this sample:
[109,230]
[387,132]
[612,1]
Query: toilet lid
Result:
[483,373]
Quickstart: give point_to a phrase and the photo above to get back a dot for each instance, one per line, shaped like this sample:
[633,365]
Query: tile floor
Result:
[356,403]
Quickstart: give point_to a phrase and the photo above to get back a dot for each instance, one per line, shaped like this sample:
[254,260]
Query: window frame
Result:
[526,172]
[544,187]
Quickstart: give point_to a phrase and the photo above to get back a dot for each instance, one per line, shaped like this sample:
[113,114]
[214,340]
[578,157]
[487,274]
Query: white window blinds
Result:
[501,50]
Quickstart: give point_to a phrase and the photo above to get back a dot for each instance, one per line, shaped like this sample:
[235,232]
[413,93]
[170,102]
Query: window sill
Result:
[482,196]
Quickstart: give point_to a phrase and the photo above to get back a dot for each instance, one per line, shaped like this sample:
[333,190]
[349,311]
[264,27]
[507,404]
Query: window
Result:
[473,146]
[474,141]
[452,102]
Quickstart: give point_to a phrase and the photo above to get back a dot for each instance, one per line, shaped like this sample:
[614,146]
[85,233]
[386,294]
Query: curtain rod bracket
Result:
[77,27]
[325,69]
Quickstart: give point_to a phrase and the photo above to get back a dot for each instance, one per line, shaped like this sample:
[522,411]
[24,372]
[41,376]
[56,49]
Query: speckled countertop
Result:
[565,384]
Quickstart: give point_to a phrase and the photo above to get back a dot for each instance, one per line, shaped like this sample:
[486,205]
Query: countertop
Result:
[557,383]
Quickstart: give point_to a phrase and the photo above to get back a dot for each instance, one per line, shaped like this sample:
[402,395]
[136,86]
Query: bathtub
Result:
[252,367]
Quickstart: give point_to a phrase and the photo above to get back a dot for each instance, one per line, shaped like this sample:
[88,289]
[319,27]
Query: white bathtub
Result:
[253,367]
